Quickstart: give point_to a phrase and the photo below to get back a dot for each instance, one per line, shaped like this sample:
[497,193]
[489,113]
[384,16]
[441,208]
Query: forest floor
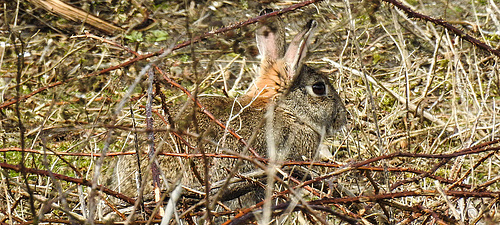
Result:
[420,145]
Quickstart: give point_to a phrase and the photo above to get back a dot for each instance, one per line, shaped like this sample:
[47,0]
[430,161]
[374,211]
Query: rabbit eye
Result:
[319,88]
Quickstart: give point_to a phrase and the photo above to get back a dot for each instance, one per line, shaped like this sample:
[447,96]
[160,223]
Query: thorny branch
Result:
[411,14]
[446,25]
[68,179]
[485,147]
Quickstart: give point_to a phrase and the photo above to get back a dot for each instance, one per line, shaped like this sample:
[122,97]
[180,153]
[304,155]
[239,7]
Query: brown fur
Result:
[269,83]
[295,118]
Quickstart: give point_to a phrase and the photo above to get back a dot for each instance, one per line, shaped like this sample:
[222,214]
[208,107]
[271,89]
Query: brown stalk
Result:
[84,182]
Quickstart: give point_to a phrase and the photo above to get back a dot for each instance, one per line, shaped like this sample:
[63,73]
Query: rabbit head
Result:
[303,105]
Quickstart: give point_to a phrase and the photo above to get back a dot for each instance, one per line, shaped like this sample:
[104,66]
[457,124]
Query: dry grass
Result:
[409,86]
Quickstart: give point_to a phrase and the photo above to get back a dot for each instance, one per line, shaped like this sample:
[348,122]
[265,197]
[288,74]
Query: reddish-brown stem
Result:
[245,23]
[84,182]
[55,84]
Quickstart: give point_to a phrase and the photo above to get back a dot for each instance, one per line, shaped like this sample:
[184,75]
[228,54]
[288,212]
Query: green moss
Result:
[377,58]
[134,36]
[165,5]
[244,4]
[158,35]
[482,2]
[412,2]
[443,63]
[184,58]
[387,103]
[458,9]
[494,37]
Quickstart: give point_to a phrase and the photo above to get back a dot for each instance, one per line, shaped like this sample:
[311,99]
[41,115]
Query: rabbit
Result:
[303,107]
[298,105]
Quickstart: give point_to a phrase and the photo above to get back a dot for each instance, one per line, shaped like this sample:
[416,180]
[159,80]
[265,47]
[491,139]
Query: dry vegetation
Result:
[419,97]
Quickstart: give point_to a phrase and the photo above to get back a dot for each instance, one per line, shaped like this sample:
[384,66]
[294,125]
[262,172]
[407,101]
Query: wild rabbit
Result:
[299,105]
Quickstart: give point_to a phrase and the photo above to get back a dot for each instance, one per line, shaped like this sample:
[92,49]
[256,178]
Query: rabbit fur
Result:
[298,105]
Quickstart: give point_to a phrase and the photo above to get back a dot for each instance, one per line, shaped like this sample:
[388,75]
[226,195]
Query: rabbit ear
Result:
[270,38]
[271,43]
[297,50]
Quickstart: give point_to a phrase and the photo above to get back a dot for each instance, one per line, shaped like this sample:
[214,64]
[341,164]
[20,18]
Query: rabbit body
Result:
[298,105]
